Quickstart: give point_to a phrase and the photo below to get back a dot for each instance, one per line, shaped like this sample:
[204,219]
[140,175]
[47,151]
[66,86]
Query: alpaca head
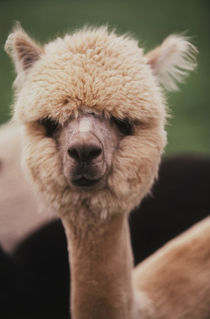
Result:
[93,115]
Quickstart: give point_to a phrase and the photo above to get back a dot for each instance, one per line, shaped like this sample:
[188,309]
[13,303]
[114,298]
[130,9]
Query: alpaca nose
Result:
[85,152]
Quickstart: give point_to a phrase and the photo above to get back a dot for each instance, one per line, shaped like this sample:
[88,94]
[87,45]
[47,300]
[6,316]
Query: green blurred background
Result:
[150,22]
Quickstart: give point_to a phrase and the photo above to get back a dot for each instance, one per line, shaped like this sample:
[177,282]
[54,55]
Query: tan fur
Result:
[172,60]
[97,70]
[88,59]
[177,277]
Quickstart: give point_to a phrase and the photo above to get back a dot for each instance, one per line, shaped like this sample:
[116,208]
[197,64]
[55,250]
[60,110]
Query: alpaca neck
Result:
[101,265]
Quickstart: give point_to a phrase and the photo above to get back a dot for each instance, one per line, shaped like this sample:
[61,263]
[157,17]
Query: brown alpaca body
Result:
[93,115]
[176,278]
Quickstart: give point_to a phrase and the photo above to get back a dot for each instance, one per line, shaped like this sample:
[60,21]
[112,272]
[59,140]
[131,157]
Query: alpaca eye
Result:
[50,126]
[124,125]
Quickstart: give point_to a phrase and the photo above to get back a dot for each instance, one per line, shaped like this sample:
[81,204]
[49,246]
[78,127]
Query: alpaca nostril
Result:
[95,152]
[74,153]
[84,152]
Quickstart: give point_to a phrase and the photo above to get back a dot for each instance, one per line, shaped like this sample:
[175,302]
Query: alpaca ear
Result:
[172,60]
[23,50]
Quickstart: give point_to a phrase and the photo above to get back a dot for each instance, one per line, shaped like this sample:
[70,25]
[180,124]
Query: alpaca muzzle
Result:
[87,144]
[87,161]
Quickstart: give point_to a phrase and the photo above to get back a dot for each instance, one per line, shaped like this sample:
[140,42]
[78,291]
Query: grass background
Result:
[150,22]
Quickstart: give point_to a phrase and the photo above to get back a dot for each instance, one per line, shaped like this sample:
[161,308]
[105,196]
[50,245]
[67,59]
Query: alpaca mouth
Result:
[85,182]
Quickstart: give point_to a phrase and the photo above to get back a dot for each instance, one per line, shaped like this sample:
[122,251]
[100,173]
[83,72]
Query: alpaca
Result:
[93,114]
[15,194]
[176,278]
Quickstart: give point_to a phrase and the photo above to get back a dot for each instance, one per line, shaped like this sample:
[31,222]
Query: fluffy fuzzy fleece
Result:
[97,69]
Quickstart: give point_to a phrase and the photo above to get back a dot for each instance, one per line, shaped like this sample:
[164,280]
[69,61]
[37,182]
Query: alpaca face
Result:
[86,145]
[93,116]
